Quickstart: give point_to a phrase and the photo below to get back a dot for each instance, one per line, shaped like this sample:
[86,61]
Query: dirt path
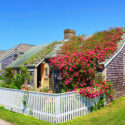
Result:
[2,122]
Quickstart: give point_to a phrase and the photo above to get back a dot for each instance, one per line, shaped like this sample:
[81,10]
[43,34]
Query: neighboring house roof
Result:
[7,53]
[22,48]
[33,51]
[120,46]
[2,53]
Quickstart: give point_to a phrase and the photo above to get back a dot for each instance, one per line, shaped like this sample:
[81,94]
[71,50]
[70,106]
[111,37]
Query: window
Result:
[15,56]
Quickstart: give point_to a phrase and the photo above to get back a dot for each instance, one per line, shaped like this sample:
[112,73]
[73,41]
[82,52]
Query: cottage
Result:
[40,69]
[7,57]
[43,75]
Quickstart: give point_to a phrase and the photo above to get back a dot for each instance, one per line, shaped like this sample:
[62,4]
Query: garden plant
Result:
[80,60]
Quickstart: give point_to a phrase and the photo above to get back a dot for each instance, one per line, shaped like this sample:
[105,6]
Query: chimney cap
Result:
[69,31]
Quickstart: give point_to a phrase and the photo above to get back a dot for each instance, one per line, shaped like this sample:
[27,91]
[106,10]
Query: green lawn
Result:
[19,119]
[113,114]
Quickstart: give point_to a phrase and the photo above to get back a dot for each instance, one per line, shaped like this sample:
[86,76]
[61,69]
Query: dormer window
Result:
[15,56]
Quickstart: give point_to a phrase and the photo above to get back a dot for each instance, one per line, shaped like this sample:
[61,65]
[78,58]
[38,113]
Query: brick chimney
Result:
[68,33]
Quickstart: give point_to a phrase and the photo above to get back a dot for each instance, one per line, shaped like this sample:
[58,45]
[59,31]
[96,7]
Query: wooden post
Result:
[104,73]
[35,78]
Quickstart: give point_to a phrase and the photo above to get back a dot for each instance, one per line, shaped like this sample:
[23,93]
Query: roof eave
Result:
[7,55]
[107,62]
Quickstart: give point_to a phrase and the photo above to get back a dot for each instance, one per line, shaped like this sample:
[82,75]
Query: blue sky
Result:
[43,21]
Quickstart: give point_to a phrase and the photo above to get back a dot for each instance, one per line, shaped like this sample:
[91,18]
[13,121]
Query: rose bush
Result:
[79,61]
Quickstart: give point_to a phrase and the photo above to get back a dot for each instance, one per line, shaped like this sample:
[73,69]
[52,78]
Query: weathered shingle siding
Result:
[8,60]
[115,73]
[31,82]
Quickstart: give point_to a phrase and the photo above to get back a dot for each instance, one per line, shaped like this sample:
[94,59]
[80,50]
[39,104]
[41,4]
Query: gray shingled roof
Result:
[21,48]
[26,56]
[53,53]
[33,51]
[24,47]
[2,53]
[8,52]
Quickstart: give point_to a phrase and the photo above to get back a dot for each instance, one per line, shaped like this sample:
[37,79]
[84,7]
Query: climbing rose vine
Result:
[80,59]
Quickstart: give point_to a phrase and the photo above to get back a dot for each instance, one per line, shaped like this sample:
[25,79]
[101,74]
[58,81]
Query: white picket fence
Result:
[54,108]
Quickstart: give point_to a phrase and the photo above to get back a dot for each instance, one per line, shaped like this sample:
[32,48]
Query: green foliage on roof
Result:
[33,56]
[41,54]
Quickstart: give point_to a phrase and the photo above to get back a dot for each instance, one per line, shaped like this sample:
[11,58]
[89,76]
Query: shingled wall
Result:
[8,60]
[115,73]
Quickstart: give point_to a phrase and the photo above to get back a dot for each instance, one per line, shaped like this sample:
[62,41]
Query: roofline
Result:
[21,44]
[26,44]
[13,50]
[18,46]
[114,55]
[10,52]
[39,63]
[22,65]
[8,55]
[35,66]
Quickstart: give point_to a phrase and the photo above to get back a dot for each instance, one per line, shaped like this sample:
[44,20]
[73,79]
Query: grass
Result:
[114,114]
[19,119]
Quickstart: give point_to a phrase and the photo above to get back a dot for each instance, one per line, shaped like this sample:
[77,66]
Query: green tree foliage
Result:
[15,80]
[8,75]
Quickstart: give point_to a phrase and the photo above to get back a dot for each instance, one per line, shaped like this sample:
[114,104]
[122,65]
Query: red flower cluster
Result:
[80,59]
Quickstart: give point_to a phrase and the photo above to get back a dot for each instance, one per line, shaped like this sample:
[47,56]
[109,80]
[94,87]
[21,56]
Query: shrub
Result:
[15,80]
[8,75]
[2,83]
